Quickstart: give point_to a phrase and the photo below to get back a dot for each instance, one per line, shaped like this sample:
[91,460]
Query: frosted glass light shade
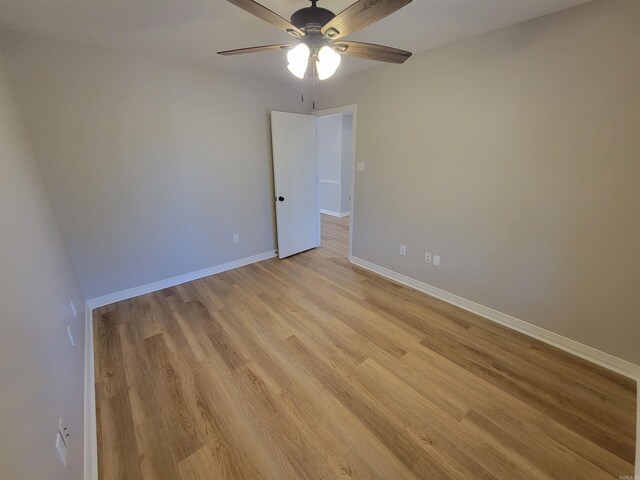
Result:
[328,62]
[298,58]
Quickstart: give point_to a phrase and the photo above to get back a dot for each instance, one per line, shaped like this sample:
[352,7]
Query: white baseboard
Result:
[329,182]
[637,474]
[335,214]
[173,281]
[606,360]
[90,426]
[637,432]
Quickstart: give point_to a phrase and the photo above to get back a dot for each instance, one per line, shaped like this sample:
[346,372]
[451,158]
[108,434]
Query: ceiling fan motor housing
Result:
[311,18]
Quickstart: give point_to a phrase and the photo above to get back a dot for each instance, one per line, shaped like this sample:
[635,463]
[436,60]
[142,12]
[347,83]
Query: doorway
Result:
[314,167]
[336,170]
[334,144]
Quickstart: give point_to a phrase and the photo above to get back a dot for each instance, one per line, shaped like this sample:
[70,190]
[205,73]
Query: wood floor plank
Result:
[450,441]
[313,368]
[201,465]
[172,379]
[408,450]
[482,364]
[109,365]
[118,455]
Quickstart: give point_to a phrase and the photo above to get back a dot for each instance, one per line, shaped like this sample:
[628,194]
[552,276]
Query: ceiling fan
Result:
[319,33]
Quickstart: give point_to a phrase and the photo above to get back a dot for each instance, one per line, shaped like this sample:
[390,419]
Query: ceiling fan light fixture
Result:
[321,33]
[328,62]
[298,58]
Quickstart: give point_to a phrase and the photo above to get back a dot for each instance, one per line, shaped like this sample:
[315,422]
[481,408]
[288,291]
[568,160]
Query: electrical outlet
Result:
[73,309]
[403,250]
[436,260]
[427,257]
[236,238]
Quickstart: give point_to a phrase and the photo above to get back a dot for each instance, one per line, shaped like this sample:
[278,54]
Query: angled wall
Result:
[41,373]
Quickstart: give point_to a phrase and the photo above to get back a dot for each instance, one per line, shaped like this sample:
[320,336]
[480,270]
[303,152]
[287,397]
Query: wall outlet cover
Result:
[427,257]
[360,166]
[403,250]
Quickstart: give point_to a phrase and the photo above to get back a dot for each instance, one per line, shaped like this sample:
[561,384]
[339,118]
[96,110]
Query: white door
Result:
[295,175]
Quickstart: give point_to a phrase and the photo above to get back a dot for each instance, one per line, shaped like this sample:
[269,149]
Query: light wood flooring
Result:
[311,368]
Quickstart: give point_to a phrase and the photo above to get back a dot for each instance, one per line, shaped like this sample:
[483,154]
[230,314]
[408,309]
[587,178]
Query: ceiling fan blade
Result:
[359,15]
[371,51]
[267,15]
[261,48]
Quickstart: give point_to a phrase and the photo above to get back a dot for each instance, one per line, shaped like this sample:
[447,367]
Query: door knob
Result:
[281,199]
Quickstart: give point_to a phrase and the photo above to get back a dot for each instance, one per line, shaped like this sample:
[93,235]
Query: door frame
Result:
[353,109]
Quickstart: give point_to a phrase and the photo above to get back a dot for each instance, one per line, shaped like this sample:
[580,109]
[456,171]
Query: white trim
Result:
[335,214]
[637,431]
[334,111]
[329,182]
[353,109]
[173,281]
[90,429]
[606,360]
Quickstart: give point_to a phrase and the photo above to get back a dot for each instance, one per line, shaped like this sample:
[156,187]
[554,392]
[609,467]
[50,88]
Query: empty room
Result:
[319,239]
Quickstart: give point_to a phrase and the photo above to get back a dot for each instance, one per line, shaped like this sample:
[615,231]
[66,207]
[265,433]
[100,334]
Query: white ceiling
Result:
[194,30]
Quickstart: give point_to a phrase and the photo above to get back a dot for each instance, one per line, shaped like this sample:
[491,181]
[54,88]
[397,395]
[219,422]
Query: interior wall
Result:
[41,373]
[153,166]
[329,136]
[515,157]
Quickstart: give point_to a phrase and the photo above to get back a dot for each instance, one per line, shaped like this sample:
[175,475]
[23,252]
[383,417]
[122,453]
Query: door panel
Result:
[295,174]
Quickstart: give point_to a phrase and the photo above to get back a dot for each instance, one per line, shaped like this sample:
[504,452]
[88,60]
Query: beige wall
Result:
[41,374]
[516,157]
[152,165]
